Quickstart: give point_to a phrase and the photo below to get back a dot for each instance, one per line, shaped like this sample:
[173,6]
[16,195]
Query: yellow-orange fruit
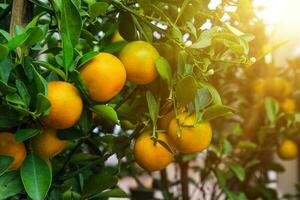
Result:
[47,144]
[117,37]
[150,155]
[288,150]
[194,137]
[66,105]
[139,59]
[104,77]
[288,105]
[9,147]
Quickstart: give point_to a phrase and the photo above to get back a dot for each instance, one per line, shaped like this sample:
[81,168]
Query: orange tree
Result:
[81,81]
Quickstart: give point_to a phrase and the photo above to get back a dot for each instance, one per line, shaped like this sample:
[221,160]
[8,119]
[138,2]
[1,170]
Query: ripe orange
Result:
[278,87]
[104,77]
[9,147]
[139,59]
[66,105]
[164,121]
[47,144]
[117,37]
[151,155]
[194,137]
[288,150]
[288,105]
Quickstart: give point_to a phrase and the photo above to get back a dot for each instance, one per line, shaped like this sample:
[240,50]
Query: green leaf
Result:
[5,162]
[107,112]
[202,99]
[70,134]
[71,23]
[15,99]
[40,82]
[51,68]
[5,34]
[215,111]
[114,47]
[18,40]
[272,109]
[164,69]
[97,9]
[24,134]
[245,144]
[152,106]
[36,177]
[205,39]
[10,184]
[5,69]
[97,183]
[43,105]
[22,90]
[10,119]
[6,89]
[3,52]
[114,193]
[86,120]
[238,170]
[86,58]
[186,90]
[127,27]
[35,36]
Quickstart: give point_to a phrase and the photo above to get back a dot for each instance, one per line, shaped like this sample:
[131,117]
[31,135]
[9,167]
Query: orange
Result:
[193,137]
[66,105]
[288,105]
[9,147]
[104,77]
[278,87]
[164,121]
[258,87]
[150,155]
[139,59]
[47,144]
[117,37]
[288,150]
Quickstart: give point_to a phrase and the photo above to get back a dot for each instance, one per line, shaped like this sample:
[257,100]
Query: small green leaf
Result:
[245,144]
[5,162]
[215,111]
[114,193]
[205,39]
[272,109]
[36,177]
[22,90]
[97,9]
[202,99]
[238,171]
[234,30]
[24,134]
[40,82]
[15,99]
[107,112]
[152,106]
[86,58]
[164,69]
[127,27]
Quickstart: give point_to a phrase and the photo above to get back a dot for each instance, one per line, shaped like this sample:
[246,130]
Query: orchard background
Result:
[182,93]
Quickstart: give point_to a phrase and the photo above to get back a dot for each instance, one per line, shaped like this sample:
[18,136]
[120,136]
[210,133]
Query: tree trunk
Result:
[21,14]
[184,179]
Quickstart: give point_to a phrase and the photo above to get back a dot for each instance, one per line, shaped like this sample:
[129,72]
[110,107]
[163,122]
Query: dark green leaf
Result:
[152,106]
[5,162]
[10,184]
[40,82]
[6,89]
[24,134]
[43,105]
[10,119]
[36,177]
[51,68]
[127,27]
[70,134]
[86,58]
[22,89]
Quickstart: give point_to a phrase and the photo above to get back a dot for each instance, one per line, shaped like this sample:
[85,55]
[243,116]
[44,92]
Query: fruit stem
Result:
[184,179]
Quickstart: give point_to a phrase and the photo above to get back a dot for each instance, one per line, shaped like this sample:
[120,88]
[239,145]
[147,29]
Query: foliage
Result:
[204,70]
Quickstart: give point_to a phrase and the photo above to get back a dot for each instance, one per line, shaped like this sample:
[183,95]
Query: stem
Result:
[21,14]
[165,183]
[184,179]
[128,96]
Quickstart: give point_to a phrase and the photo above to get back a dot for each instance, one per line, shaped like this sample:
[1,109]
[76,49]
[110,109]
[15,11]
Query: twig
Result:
[184,179]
